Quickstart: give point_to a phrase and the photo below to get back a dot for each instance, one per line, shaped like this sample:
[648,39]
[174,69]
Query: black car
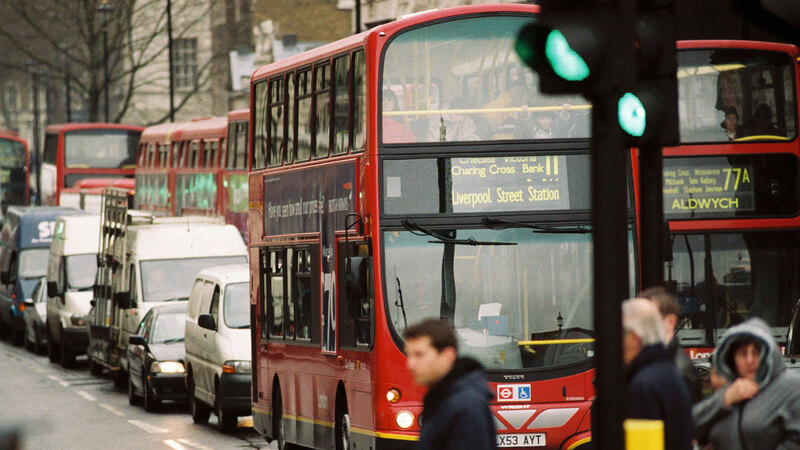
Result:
[156,356]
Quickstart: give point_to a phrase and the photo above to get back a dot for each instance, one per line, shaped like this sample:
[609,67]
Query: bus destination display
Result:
[695,187]
[509,183]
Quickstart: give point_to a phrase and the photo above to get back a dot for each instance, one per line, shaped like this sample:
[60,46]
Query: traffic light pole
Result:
[651,205]
[611,284]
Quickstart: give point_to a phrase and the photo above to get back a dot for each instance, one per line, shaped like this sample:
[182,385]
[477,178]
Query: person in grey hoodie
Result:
[760,406]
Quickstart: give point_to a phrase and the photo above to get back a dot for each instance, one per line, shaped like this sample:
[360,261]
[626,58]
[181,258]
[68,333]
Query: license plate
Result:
[521,440]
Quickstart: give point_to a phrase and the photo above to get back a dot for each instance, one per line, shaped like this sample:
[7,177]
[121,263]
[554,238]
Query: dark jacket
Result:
[456,411]
[771,419]
[655,391]
[686,370]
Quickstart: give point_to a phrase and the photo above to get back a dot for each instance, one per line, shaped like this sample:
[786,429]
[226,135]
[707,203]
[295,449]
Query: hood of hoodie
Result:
[770,364]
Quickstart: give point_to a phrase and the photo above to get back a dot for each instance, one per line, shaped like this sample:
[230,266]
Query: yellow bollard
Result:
[643,434]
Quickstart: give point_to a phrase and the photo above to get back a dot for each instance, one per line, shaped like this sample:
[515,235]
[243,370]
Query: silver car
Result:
[34,315]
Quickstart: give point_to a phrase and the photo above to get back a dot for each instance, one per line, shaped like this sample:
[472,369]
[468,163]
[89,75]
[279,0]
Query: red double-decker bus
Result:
[408,172]
[14,170]
[730,189]
[197,168]
[74,151]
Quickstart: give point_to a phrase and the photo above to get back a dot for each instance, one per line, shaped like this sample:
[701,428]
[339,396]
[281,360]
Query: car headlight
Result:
[236,367]
[77,321]
[167,367]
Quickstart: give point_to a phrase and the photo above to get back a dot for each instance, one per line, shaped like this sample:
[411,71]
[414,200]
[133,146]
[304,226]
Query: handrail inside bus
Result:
[762,136]
[430,112]
[556,341]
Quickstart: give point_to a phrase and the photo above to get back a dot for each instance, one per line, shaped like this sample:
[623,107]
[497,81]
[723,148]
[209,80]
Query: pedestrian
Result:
[653,388]
[670,310]
[760,407]
[456,411]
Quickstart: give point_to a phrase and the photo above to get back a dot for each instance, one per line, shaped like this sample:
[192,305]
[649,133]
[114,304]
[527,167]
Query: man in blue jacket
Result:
[456,411]
[653,388]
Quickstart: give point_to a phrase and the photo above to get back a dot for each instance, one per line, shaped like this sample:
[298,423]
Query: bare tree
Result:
[65,39]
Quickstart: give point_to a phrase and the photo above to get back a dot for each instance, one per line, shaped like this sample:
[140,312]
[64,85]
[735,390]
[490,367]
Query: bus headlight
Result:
[404,419]
[167,367]
[393,395]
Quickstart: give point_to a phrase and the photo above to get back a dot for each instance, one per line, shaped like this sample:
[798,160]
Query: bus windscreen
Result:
[12,154]
[103,149]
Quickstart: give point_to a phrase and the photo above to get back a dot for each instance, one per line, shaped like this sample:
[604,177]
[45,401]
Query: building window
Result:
[10,97]
[185,64]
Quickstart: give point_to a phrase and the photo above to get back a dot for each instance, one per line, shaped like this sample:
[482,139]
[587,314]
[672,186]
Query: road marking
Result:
[174,444]
[112,409]
[147,427]
[58,380]
[86,395]
[194,444]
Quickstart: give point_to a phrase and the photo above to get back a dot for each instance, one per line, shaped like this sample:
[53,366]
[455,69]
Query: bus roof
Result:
[752,45]
[239,115]
[163,133]
[390,28]
[74,126]
[12,136]
[213,128]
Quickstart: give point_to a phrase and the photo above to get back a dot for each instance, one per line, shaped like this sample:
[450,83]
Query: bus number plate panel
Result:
[521,440]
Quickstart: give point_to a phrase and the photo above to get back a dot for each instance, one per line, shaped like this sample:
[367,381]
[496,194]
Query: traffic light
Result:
[648,113]
[571,46]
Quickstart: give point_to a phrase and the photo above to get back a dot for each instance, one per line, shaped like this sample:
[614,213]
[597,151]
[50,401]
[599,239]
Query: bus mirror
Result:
[52,289]
[7,277]
[207,321]
[356,270]
[122,299]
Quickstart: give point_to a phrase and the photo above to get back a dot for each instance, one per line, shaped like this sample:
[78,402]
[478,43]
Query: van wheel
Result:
[3,329]
[67,357]
[38,346]
[226,422]
[200,412]
[17,335]
[343,438]
[52,348]
[149,402]
[95,368]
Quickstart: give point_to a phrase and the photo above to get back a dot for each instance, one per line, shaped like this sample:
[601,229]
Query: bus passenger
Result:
[453,126]
[395,129]
[456,407]
[731,124]
[762,122]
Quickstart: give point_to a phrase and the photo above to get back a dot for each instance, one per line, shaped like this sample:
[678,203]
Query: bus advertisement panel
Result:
[409,172]
[730,189]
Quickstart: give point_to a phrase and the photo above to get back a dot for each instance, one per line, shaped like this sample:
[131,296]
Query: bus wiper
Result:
[419,230]
[399,302]
[494,223]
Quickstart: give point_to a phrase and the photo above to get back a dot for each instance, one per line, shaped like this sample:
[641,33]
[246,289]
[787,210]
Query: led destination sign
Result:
[486,184]
[703,186]
[509,183]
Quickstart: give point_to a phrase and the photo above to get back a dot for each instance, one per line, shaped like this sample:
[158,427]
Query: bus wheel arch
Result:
[342,433]
[278,430]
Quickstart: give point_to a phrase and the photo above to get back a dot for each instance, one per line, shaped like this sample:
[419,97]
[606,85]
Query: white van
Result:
[218,348]
[71,270]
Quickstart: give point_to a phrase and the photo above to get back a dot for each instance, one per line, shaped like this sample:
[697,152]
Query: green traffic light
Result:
[565,61]
[632,115]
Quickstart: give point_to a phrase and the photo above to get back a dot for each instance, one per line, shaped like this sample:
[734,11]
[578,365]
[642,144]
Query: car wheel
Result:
[149,402]
[28,343]
[132,397]
[52,348]
[200,412]
[3,329]
[38,345]
[67,357]
[95,368]
[226,422]
[17,335]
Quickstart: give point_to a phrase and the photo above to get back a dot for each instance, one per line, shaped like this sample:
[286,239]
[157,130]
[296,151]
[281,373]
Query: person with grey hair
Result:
[653,388]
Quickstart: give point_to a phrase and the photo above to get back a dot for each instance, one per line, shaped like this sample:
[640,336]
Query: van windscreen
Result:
[236,309]
[164,280]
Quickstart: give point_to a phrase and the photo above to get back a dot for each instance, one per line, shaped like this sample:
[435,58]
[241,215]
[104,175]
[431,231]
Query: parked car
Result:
[218,354]
[156,357]
[35,313]
[25,238]
[71,270]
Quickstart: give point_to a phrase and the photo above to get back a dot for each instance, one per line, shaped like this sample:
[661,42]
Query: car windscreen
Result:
[236,310]
[169,327]
[171,279]
[33,263]
[81,270]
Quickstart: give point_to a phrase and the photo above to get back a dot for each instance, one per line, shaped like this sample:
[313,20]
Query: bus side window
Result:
[194,154]
[276,121]
[355,313]
[302,293]
[291,119]
[276,293]
[304,111]
[260,127]
[322,110]
[359,93]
